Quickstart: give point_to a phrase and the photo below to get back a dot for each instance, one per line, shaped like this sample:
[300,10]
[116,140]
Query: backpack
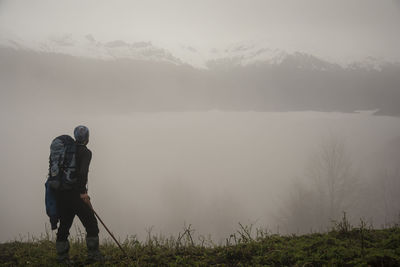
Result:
[62,163]
[61,177]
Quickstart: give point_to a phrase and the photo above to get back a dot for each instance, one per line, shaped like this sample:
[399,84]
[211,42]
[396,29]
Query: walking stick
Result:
[111,234]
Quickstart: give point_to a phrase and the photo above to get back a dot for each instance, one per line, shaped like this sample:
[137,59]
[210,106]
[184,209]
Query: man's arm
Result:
[83,169]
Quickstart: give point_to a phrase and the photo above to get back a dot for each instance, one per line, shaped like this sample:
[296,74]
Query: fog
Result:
[209,169]
[281,145]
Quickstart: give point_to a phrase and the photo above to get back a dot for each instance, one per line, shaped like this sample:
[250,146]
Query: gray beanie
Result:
[81,134]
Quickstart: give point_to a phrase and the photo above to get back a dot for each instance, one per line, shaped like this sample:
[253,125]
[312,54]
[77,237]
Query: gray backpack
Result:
[62,169]
[62,163]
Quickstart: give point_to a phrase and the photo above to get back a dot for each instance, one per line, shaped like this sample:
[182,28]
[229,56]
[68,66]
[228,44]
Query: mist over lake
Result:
[209,169]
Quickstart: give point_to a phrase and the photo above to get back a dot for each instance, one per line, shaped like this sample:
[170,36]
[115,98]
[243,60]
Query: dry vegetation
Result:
[343,245]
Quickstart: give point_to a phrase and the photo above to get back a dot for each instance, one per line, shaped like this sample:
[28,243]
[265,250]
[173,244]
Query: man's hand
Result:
[85,197]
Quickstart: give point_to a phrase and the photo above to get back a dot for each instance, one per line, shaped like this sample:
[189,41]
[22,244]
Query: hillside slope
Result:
[340,247]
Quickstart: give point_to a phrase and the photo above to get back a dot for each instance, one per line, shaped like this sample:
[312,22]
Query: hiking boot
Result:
[93,252]
[62,248]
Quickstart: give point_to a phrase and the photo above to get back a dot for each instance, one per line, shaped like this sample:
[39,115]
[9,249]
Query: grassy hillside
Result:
[342,246]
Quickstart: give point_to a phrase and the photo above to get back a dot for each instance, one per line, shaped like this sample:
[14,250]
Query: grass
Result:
[343,245]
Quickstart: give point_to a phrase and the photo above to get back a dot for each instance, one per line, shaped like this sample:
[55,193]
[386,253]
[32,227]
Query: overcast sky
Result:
[329,28]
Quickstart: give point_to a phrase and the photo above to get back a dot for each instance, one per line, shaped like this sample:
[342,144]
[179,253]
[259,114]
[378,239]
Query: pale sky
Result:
[328,28]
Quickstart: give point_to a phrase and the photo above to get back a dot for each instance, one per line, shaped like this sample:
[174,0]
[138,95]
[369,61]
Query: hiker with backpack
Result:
[66,192]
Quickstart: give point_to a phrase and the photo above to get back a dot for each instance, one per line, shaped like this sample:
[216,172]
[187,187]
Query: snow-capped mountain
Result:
[234,55]
[243,76]
[88,46]
[246,54]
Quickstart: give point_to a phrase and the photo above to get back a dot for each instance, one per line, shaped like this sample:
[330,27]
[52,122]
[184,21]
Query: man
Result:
[77,202]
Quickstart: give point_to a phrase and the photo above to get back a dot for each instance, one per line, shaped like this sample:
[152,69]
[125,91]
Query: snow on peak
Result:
[88,46]
[245,53]
[234,55]
[370,63]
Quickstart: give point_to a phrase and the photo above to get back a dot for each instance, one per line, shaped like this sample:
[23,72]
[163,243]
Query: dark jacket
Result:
[53,196]
[83,158]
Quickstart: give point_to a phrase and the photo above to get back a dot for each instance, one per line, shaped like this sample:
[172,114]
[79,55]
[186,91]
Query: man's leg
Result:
[62,248]
[62,245]
[89,221]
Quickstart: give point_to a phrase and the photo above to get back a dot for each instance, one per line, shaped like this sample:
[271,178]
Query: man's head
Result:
[81,134]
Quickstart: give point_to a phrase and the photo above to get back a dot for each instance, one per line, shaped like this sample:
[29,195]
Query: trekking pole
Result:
[111,234]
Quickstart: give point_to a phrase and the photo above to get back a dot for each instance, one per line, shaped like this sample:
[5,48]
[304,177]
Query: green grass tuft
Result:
[344,245]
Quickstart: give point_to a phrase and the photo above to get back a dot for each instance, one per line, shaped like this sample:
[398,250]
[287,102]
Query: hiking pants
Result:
[70,204]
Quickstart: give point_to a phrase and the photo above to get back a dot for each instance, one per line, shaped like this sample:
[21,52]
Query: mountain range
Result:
[141,76]
[239,54]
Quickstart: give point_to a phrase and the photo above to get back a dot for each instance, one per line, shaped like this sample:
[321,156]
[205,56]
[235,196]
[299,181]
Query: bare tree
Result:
[333,178]
[328,190]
